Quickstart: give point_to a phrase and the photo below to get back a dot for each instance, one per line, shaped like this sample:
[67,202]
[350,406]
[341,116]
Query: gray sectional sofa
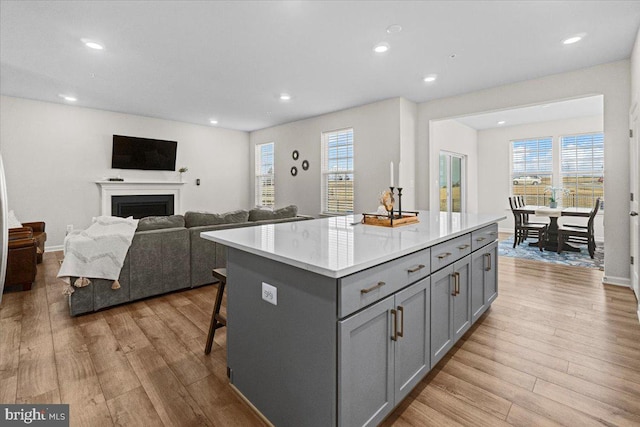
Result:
[168,254]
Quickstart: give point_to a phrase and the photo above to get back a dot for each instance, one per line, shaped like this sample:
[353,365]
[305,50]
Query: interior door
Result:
[452,182]
[634,218]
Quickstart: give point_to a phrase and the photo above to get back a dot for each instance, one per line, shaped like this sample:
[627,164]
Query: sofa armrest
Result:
[37,226]
[20,233]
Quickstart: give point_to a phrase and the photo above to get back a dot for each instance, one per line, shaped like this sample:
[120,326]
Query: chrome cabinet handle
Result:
[418,268]
[444,255]
[463,247]
[373,288]
[394,313]
[401,311]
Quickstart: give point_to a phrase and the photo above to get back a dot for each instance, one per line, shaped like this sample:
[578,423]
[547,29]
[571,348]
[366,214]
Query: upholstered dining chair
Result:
[522,228]
[579,233]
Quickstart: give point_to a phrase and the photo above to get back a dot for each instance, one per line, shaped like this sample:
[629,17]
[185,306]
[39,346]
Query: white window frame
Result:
[260,177]
[325,172]
[541,197]
[592,171]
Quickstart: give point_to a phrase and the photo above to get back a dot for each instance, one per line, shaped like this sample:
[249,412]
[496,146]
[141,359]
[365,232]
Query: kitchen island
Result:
[333,322]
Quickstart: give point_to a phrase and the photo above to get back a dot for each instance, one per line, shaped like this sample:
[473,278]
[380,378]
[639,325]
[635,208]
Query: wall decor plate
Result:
[305,164]
[294,171]
[295,154]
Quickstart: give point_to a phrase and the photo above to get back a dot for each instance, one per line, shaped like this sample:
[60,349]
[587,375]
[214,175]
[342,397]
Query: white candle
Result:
[391,173]
[399,174]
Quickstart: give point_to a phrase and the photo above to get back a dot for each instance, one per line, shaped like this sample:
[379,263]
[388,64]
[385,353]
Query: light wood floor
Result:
[556,348]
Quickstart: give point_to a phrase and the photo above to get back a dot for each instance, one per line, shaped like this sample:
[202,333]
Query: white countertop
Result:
[334,247]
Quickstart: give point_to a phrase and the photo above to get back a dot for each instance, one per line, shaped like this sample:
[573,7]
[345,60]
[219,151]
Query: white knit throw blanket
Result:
[97,252]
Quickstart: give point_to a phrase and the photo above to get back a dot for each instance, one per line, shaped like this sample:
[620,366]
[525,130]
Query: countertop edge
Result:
[343,272]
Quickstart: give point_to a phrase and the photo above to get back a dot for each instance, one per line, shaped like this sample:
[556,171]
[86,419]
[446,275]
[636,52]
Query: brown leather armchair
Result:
[38,229]
[21,258]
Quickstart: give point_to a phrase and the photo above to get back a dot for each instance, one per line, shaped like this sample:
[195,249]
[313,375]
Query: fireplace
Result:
[141,205]
[110,189]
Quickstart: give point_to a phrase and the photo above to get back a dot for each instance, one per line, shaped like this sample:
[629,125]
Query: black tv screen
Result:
[143,153]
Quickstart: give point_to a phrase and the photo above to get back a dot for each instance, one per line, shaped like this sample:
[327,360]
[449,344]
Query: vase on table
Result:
[553,204]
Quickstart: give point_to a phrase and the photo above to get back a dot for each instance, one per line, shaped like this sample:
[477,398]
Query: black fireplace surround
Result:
[139,206]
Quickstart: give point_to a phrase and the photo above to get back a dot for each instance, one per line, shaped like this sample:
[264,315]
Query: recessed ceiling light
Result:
[92,44]
[395,28]
[574,39]
[213,121]
[430,78]
[381,47]
[501,122]
[68,98]
[285,97]
[452,56]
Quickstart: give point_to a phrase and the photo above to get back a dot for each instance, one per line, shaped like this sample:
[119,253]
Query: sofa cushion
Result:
[198,219]
[263,214]
[160,222]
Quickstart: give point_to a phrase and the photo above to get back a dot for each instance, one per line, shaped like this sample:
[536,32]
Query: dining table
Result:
[551,242]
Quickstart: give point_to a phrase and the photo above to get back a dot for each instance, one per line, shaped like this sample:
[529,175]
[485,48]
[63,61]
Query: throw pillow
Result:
[160,222]
[262,215]
[13,221]
[199,219]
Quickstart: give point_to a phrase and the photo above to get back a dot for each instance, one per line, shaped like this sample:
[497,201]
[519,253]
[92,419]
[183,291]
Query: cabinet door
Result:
[441,310]
[462,301]
[479,261]
[412,347]
[366,364]
[491,274]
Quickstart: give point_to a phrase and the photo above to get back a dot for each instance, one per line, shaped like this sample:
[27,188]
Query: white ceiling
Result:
[193,61]
[582,107]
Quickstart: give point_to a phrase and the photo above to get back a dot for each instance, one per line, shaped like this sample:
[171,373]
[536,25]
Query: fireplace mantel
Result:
[132,188]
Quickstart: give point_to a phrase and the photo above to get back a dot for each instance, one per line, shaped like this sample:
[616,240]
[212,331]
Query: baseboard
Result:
[53,248]
[617,281]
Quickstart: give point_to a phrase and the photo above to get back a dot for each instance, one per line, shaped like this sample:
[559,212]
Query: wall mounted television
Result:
[143,153]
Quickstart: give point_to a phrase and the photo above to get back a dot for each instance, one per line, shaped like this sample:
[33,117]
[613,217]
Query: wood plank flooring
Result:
[556,348]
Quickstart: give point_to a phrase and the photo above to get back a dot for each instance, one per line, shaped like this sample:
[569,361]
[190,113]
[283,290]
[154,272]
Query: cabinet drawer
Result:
[484,236]
[366,287]
[452,250]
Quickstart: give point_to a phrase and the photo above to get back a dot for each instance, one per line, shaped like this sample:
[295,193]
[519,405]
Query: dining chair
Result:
[522,229]
[568,233]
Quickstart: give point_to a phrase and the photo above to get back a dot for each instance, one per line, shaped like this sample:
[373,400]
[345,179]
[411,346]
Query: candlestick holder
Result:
[400,202]
[391,211]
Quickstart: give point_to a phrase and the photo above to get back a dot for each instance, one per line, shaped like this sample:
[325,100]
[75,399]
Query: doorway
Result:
[452,182]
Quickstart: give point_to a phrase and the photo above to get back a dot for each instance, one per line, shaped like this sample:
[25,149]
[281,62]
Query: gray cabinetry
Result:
[450,306]
[484,279]
[383,354]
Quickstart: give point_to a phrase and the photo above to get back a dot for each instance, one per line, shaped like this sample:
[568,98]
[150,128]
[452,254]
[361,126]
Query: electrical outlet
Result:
[269,293]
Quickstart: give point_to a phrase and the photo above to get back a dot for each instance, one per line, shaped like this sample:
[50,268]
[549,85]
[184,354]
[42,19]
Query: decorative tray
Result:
[406,218]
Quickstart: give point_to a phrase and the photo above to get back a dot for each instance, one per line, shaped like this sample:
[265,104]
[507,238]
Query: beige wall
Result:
[611,80]
[53,154]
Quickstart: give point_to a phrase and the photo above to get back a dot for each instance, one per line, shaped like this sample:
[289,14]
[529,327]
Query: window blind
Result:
[337,171]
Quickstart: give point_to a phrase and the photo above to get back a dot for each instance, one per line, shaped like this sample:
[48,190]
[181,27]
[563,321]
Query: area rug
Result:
[580,259]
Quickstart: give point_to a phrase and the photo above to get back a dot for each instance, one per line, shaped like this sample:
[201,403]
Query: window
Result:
[337,171]
[582,169]
[265,183]
[532,168]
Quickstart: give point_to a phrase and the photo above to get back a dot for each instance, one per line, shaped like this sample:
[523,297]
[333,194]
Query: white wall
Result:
[376,133]
[611,80]
[455,137]
[494,147]
[635,71]
[53,154]
[408,133]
